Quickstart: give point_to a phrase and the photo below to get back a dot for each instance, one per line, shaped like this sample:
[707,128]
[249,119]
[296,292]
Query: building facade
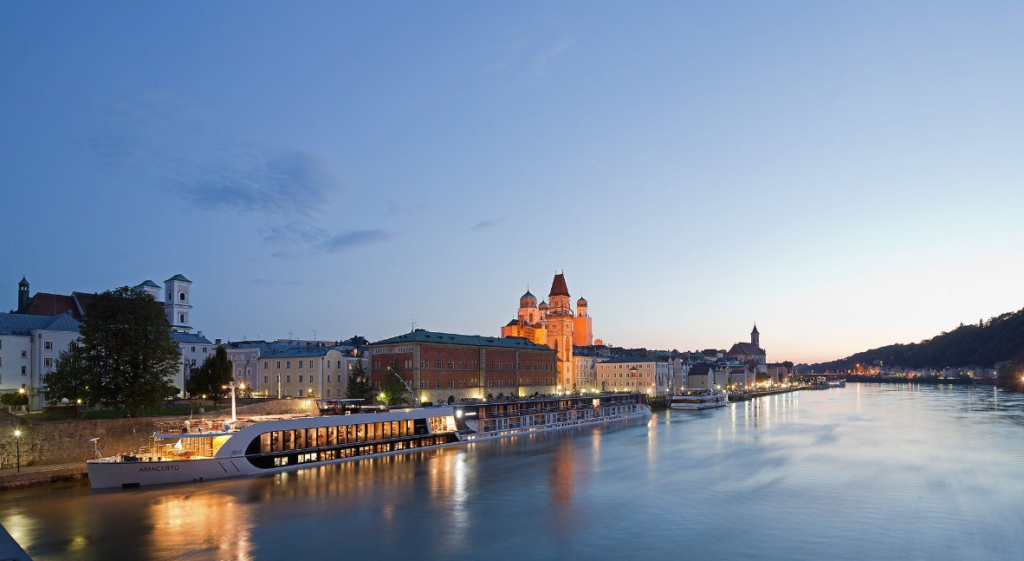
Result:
[646,374]
[556,325]
[749,353]
[29,347]
[447,367]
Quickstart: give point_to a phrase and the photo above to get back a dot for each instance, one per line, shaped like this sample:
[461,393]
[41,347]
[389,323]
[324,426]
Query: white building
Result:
[29,347]
[586,371]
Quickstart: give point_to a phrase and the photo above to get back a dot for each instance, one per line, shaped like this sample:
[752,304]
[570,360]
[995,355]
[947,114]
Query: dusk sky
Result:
[845,176]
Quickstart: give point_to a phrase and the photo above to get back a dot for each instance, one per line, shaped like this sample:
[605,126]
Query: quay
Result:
[747,396]
[41,475]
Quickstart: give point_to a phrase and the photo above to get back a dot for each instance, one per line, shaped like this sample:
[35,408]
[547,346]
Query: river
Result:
[862,472]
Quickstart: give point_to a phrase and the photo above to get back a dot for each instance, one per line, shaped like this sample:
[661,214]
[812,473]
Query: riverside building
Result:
[437,367]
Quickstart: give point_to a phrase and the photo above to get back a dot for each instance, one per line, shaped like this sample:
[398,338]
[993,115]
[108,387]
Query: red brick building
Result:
[449,367]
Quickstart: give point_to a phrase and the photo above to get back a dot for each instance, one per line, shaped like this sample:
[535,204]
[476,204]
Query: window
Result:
[181,296]
[204,349]
[181,318]
[451,383]
[451,365]
[300,378]
[499,366]
[266,364]
[438,363]
[311,380]
[24,354]
[328,392]
[300,392]
[287,364]
[193,349]
[279,364]
[265,381]
[24,371]
[328,381]
[48,361]
[438,382]
[328,364]
[311,364]
[48,345]
[288,378]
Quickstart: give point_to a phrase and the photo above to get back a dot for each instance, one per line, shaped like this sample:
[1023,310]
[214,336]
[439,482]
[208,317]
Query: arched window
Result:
[181,296]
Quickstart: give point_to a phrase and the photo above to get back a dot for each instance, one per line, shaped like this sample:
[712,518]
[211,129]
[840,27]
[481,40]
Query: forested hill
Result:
[982,344]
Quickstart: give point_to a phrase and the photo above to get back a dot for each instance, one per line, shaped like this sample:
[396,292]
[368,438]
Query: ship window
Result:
[288,439]
[361,433]
[332,436]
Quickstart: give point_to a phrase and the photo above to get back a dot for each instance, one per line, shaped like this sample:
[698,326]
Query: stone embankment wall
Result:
[46,443]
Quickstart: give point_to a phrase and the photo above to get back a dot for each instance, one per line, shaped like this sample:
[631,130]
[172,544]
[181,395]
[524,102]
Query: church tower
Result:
[583,325]
[179,303]
[24,295]
[560,329]
[755,337]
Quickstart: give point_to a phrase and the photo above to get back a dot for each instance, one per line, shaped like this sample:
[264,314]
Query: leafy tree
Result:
[71,379]
[358,383]
[1011,374]
[212,376]
[789,366]
[14,399]
[393,390]
[127,344]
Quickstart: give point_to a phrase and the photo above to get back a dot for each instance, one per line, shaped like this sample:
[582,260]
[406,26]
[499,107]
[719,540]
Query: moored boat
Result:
[199,452]
[699,399]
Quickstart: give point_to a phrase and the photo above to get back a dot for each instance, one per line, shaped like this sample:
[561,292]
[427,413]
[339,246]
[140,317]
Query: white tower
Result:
[178,303]
[151,288]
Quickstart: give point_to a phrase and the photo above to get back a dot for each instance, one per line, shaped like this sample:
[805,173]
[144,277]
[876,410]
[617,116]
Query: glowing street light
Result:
[17,443]
[232,386]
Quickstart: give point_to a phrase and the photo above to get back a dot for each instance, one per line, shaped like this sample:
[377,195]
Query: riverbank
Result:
[31,476]
[746,396]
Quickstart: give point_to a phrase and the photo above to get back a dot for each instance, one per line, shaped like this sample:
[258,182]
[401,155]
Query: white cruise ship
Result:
[699,399]
[186,453]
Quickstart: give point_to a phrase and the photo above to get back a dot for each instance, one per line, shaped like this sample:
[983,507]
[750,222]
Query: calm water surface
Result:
[864,472]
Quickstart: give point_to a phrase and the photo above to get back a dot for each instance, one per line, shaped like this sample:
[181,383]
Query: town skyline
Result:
[348,171]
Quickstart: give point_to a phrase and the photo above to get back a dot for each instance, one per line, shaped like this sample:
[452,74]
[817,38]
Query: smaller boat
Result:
[699,399]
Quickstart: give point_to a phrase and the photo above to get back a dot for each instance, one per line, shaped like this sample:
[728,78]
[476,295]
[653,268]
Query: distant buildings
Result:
[646,374]
[176,298]
[295,368]
[447,367]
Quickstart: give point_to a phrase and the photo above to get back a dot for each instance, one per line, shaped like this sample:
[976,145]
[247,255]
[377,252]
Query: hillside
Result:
[983,344]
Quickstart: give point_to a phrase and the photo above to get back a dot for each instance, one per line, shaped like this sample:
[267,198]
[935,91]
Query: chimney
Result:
[215,341]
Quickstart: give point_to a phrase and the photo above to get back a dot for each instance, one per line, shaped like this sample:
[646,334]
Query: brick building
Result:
[449,367]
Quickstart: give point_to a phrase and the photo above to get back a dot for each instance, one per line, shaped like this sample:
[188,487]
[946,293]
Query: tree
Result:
[212,376]
[358,383]
[127,344]
[1011,375]
[71,379]
[14,399]
[392,391]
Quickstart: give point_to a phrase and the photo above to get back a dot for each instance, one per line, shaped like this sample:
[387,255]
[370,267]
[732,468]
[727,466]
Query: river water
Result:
[863,472]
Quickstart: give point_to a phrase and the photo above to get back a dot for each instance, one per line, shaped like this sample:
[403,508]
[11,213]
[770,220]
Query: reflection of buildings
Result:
[555,325]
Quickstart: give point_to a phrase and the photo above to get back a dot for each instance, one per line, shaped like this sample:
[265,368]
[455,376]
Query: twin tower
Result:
[554,325]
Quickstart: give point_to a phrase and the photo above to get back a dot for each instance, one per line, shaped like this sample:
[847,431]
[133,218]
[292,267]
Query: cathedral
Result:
[555,325]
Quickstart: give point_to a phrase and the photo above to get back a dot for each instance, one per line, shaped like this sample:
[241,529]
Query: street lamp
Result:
[232,386]
[17,443]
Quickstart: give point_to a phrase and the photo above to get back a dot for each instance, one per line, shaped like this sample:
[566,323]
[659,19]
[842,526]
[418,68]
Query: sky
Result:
[847,175]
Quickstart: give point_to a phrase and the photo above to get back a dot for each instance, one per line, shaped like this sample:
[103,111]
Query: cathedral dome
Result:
[543,306]
[528,300]
[581,302]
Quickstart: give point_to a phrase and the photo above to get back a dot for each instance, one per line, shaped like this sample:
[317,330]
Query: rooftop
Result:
[423,336]
[25,324]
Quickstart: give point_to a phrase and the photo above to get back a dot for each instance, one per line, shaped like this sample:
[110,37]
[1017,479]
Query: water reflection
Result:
[825,469]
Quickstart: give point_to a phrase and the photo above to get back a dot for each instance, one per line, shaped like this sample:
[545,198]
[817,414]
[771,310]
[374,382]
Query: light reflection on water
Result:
[864,472]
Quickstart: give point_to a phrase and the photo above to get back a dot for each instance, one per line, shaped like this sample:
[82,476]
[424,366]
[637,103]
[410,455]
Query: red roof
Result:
[46,304]
[558,287]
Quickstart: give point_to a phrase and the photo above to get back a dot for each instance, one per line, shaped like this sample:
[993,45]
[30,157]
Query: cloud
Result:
[487,224]
[354,239]
[317,241]
[281,184]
